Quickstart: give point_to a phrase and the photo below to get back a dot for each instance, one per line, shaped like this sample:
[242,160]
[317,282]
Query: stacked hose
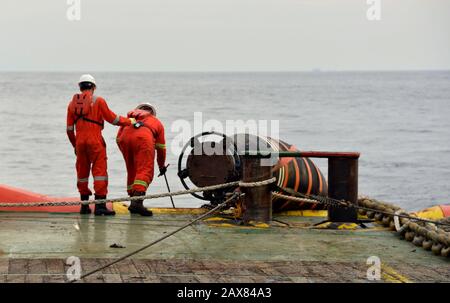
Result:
[426,235]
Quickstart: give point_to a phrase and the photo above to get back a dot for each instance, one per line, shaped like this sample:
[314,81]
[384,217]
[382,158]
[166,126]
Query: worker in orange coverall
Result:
[138,144]
[86,115]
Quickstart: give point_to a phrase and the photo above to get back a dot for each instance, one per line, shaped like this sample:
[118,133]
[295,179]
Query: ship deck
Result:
[34,248]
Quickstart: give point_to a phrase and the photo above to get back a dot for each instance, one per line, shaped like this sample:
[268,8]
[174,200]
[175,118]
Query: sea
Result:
[398,121]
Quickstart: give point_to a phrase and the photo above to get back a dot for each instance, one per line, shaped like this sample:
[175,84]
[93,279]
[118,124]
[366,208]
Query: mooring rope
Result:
[298,197]
[427,234]
[294,196]
[438,240]
[221,205]
[147,197]
[294,199]
[421,233]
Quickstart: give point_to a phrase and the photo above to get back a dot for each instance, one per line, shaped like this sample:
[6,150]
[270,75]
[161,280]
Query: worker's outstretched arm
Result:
[110,116]
[71,128]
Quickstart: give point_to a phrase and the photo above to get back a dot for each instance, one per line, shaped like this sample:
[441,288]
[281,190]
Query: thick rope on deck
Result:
[421,232]
[147,197]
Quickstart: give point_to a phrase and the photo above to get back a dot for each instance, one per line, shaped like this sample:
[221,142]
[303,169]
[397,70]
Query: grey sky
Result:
[205,35]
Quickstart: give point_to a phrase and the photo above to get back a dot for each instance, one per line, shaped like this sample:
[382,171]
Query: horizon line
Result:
[318,70]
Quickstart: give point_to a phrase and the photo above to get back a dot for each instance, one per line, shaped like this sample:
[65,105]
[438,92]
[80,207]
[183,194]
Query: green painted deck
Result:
[34,248]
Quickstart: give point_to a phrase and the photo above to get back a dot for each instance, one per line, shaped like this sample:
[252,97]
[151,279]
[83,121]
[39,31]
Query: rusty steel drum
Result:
[299,174]
[201,167]
[207,168]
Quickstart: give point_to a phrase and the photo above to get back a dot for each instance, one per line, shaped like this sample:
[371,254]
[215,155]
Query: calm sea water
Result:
[399,121]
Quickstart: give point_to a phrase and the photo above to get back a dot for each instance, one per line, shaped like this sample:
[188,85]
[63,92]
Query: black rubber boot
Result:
[101,209]
[137,206]
[85,210]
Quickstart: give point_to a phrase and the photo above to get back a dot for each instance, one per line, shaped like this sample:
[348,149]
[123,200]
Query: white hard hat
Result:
[87,78]
[147,107]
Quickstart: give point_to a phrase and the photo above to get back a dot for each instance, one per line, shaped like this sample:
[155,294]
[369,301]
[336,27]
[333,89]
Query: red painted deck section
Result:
[10,194]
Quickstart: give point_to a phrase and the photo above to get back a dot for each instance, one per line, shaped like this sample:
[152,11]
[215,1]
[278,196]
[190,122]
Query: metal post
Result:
[257,202]
[343,185]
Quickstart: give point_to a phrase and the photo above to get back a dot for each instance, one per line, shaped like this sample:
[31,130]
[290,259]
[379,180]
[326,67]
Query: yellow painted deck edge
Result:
[122,209]
[304,213]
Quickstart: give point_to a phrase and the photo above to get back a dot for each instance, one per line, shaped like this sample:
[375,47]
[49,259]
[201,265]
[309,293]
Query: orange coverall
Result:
[138,148]
[90,147]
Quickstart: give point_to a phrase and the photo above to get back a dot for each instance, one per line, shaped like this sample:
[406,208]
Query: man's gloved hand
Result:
[163,170]
[133,121]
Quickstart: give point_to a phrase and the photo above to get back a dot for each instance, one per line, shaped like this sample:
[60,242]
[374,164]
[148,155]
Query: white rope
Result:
[147,197]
